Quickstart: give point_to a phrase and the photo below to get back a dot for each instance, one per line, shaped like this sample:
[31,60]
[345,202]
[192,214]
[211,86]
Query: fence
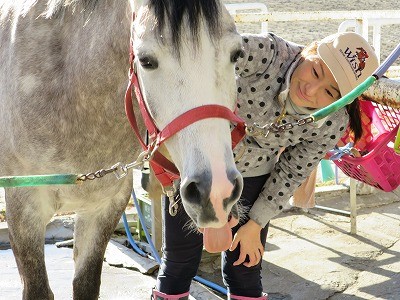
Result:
[364,22]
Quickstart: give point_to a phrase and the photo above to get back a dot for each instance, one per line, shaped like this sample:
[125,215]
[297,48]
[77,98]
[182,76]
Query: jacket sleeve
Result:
[295,164]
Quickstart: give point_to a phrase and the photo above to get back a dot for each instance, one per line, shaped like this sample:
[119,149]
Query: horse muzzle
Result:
[214,211]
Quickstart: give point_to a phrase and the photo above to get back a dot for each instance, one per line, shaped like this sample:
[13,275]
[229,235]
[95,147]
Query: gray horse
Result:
[63,74]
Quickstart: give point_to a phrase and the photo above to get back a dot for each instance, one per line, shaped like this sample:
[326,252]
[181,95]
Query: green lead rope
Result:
[38,180]
[342,102]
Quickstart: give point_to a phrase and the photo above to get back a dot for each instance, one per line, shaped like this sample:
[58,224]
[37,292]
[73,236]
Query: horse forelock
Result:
[172,13]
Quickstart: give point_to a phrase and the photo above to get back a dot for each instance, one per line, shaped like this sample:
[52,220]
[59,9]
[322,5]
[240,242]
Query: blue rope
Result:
[338,152]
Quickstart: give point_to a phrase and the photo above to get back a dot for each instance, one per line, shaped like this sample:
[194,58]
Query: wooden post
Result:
[156,224]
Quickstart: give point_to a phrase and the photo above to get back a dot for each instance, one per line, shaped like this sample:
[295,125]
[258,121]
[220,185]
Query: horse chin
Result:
[219,239]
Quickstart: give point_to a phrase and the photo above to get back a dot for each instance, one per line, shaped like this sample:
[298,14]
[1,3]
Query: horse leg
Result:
[93,230]
[27,217]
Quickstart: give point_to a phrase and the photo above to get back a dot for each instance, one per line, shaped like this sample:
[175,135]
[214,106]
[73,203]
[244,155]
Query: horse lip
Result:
[232,221]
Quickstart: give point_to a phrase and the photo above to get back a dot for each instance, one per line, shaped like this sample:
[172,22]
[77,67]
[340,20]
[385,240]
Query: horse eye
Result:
[148,62]
[235,56]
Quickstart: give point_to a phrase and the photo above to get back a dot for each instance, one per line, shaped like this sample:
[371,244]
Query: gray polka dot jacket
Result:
[263,75]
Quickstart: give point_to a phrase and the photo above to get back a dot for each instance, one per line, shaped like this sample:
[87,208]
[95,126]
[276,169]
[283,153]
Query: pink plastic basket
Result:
[378,165]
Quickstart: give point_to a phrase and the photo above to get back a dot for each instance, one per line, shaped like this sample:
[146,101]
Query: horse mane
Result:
[173,11]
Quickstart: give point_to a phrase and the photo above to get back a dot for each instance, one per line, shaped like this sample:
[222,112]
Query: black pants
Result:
[182,249]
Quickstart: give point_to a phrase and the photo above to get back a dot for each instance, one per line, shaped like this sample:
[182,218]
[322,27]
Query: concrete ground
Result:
[313,256]
[309,255]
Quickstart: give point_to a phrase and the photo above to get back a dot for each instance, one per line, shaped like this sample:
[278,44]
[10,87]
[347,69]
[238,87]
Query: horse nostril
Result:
[237,188]
[191,192]
[196,189]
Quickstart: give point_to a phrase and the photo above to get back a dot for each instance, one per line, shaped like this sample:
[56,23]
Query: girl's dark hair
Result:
[353,109]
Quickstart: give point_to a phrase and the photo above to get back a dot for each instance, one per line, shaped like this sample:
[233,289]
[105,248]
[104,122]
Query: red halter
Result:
[165,170]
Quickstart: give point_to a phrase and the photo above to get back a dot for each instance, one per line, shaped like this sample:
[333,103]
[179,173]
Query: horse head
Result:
[185,58]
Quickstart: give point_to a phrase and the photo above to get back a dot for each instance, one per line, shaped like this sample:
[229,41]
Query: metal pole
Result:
[353,206]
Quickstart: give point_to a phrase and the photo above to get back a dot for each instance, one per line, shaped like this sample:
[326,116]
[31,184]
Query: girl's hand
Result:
[249,238]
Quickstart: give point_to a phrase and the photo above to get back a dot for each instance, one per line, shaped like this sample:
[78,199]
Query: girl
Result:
[278,82]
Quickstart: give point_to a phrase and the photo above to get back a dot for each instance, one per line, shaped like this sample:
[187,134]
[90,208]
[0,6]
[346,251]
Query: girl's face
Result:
[312,84]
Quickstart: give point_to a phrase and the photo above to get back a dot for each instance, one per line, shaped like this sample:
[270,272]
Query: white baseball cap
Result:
[350,58]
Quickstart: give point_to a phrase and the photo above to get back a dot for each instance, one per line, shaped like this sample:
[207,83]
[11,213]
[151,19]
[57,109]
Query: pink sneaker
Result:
[156,295]
[235,297]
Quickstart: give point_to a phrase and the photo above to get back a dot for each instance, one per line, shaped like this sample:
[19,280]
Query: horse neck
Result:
[98,63]
[99,44]
[93,52]
[80,61]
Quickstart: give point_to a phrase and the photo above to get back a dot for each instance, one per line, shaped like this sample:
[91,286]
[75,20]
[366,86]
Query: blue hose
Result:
[130,237]
[156,256]
[212,285]
[146,232]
